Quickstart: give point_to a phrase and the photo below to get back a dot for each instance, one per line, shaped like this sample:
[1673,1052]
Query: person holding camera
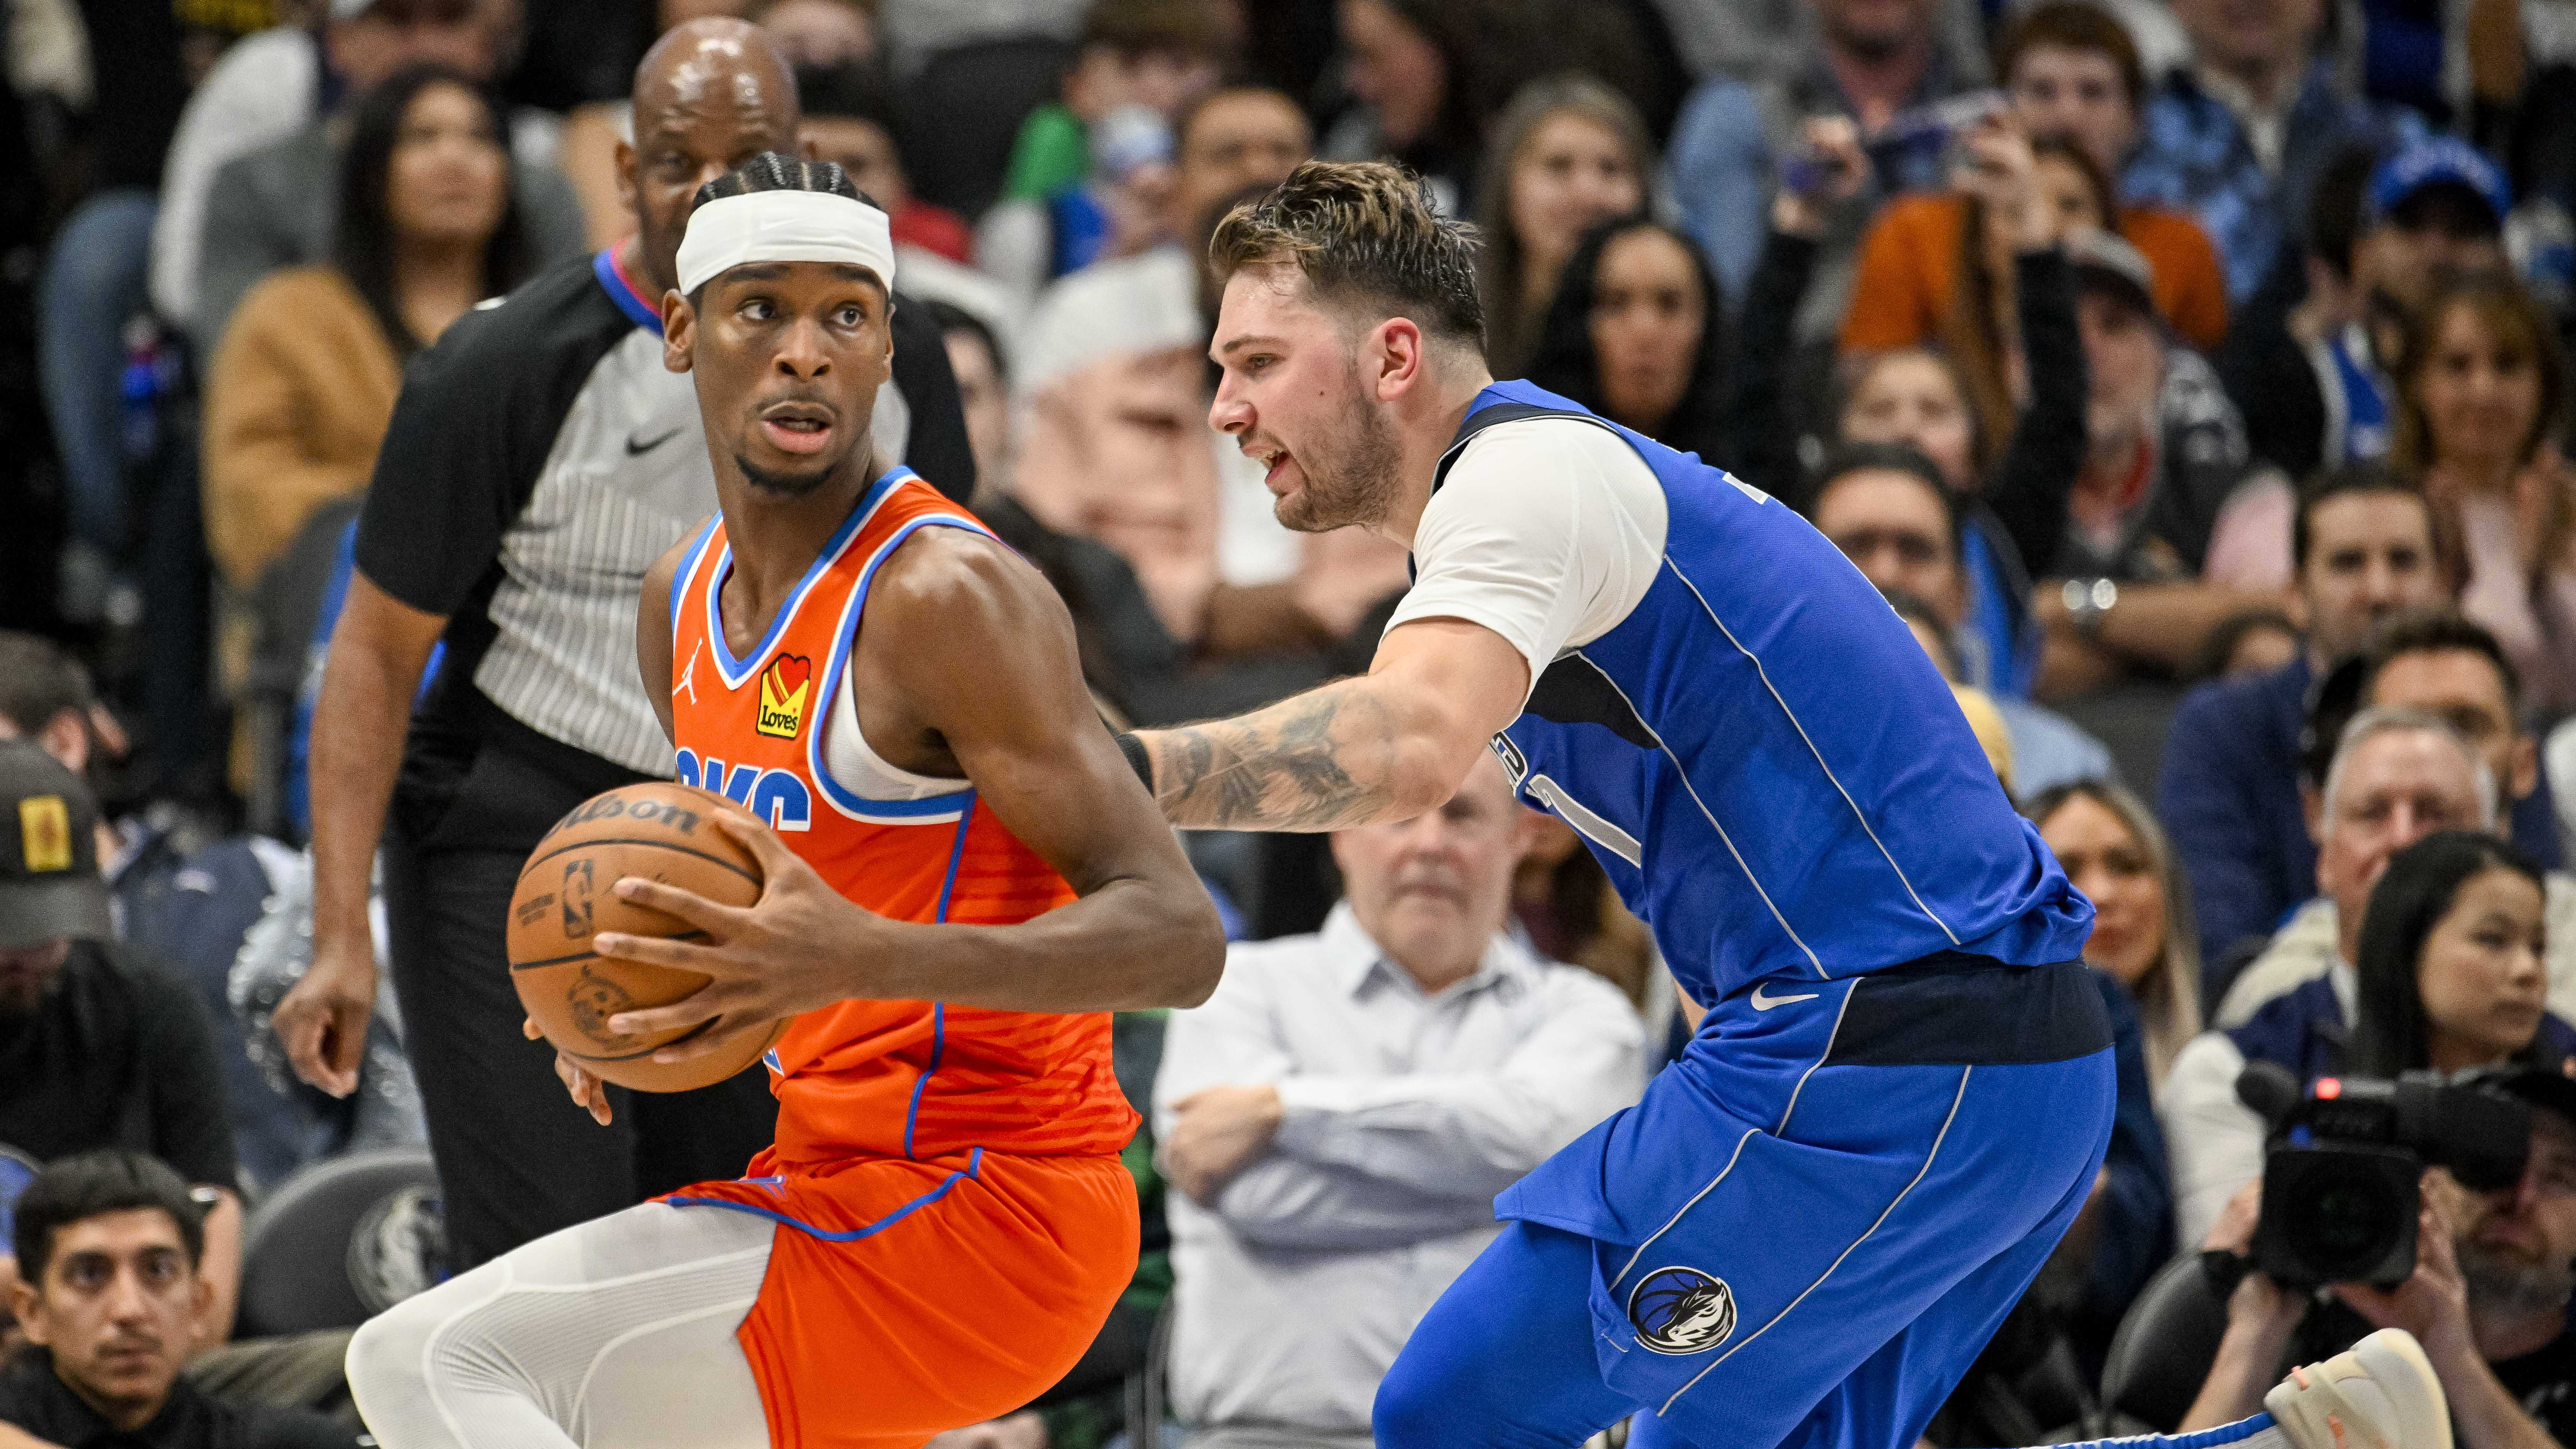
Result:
[2488,1297]
[2449,944]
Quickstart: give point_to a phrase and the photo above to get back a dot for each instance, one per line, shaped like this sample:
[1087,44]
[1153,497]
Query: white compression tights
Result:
[616,1334]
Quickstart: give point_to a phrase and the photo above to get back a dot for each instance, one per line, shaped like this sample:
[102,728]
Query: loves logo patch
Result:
[784,687]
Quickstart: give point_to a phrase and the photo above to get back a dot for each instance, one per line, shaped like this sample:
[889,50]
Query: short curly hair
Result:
[1365,234]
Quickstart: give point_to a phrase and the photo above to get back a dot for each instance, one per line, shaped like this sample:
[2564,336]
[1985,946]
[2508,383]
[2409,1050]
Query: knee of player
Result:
[389,1355]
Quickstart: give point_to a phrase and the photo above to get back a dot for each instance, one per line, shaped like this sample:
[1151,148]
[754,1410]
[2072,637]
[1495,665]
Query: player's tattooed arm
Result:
[1386,745]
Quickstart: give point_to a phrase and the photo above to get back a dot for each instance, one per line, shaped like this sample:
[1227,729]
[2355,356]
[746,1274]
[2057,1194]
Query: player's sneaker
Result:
[2379,1394]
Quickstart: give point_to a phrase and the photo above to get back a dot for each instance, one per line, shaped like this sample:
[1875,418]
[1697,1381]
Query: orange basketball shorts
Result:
[907,1297]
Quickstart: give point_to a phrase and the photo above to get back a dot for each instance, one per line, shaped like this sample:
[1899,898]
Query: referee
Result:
[539,460]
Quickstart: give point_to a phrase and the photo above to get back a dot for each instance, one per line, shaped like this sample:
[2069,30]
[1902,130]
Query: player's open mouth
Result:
[1275,467]
[797,427]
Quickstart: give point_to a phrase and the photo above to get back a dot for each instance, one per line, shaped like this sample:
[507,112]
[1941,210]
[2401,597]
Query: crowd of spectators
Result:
[2191,376]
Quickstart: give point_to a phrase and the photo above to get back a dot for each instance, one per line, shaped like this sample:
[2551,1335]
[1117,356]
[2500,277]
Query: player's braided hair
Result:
[778,171]
[1366,234]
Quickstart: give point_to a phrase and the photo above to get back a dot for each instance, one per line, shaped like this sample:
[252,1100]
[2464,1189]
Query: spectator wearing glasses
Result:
[2449,667]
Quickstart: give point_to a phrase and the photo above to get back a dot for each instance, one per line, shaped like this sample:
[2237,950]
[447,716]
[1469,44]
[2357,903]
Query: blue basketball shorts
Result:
[1802,1235]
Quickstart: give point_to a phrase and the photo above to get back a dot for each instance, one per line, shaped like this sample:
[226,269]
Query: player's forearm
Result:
[1131,945]
[1352,752]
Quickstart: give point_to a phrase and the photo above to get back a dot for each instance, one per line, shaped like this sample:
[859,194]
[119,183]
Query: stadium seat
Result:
[2165,1346]
[341,1241]
[963,111]
[17,1169]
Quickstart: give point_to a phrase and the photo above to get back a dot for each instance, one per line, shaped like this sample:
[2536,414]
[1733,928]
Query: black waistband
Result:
[1957,1009]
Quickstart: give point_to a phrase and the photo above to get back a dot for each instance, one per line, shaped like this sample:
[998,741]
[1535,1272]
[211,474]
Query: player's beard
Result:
[1351,482]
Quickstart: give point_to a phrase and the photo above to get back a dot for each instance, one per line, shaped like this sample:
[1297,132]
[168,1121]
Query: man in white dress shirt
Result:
[1336,1120]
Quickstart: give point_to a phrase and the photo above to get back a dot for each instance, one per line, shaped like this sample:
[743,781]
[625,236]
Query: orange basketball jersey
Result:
[777,732]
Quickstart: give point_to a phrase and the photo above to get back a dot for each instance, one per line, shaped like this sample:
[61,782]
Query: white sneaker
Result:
[2379,1394]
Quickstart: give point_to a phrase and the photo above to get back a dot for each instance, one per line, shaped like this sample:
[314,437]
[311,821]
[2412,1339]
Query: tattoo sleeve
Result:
[1324,760]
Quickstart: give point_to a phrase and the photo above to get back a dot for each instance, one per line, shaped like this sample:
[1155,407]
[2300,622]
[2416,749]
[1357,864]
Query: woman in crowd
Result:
[1633,334]
[1428,76]
[2115,852]
[300,393]
[2451,975]
[2482,396]
[1566,155]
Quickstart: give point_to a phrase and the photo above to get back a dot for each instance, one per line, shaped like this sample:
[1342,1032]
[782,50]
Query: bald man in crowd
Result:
[537,450]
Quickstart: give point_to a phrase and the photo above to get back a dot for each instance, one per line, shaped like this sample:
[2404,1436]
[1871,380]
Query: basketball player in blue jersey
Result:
[1902,1090]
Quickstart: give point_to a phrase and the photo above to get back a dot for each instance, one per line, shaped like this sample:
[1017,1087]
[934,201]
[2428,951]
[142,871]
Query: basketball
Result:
[565,896]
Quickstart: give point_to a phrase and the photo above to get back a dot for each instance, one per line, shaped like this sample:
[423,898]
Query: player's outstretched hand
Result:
[783,955]
[589,1093]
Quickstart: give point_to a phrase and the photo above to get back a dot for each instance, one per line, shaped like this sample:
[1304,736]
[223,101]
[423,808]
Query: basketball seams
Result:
[717,860]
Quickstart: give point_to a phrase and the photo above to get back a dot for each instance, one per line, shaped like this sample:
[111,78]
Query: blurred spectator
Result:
[2482,395]
[1882,63]
[303,386]
[1159,54]
[983,393]
[2114,852]
[1564,903]
[99,1046]
[110,1244]
[1634,333]
[2013,195]
[2452,668]
[2240,136]
[1885,507]
[279,82]
[821,34]
[2074,77]
[1428,76]
[2400,776]
[1567,154]
[1338,1117]
[2488,1299]
[95,279]
[849,119]
[2363,550]
[2017,483]
[278,207]
[2141,957]
[1091,175]
[2313,377]
[2154,557]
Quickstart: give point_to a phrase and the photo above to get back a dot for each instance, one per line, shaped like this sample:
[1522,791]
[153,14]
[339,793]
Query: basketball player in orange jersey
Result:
[962,875]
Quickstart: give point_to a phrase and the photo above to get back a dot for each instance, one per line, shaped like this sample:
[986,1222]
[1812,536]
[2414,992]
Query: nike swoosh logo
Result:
[1765,1003]
[635,449]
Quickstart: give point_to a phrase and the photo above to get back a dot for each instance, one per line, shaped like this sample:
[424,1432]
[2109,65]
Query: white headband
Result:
[785,226]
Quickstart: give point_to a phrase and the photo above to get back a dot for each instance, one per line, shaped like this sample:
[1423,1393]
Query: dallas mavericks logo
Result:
[1681,1311]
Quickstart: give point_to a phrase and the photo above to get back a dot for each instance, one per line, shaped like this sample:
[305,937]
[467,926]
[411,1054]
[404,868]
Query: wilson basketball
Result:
[566,896]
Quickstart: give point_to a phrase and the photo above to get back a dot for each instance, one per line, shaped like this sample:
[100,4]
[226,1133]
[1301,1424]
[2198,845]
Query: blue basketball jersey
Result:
[1772,772]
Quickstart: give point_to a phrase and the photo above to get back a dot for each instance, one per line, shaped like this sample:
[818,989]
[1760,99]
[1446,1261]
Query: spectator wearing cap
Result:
[2148,572]
[2240,135]
[111,1246]
[2482,399]
[99,1045]
[2362,551]
[2072,72]
[2449,667]
[2313,377]
[2489,1297]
